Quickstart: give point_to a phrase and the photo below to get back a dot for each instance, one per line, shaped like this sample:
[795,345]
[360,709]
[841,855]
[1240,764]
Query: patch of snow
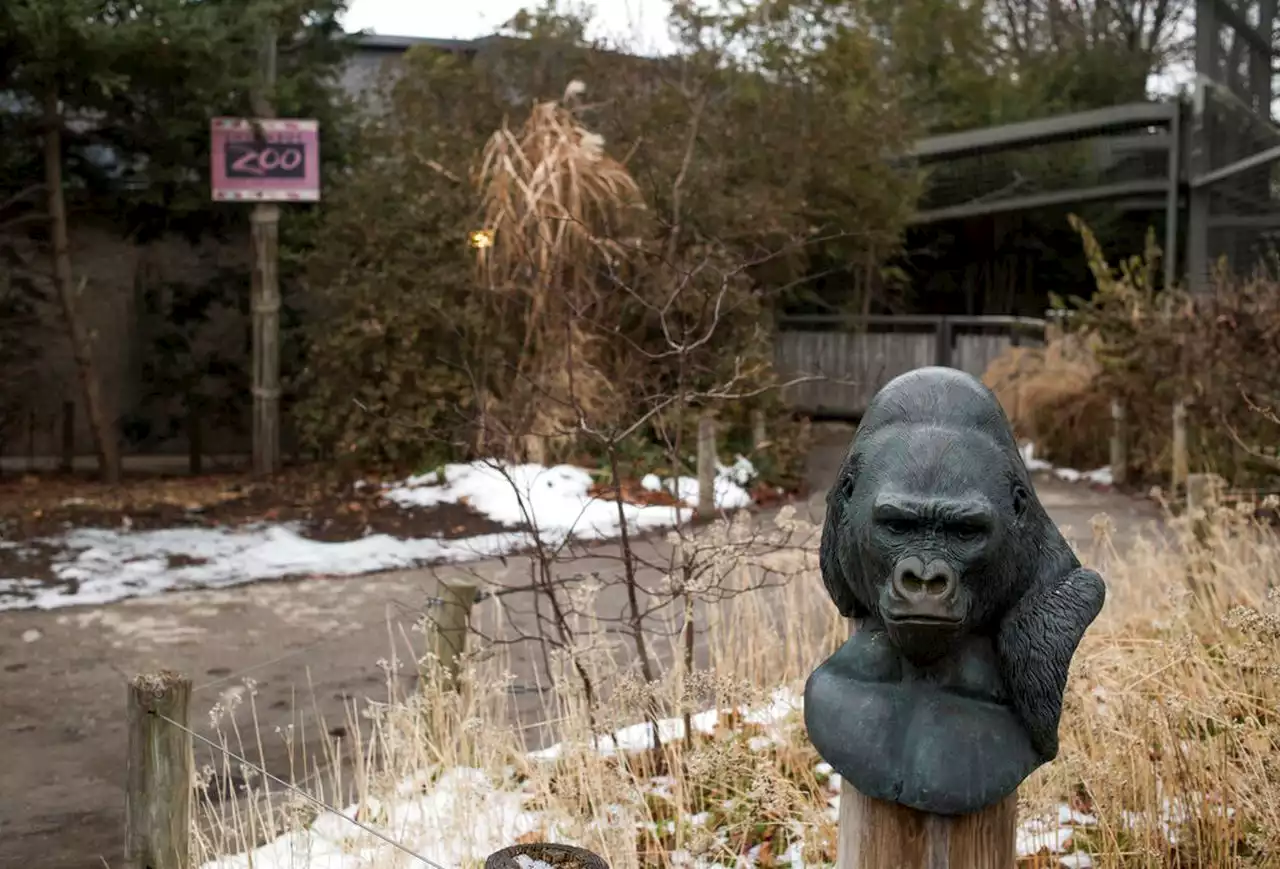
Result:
[639,737]
[1036,835]
[464,817]
[1029,459]
[527,862]
[461,817]
[99,566]
[31,635]
[96,566]
[558,501]
[1099,476]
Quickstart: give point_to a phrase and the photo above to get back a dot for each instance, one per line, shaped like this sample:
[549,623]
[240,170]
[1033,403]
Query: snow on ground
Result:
[96,566]
[557,500]
[466,815]
[1097,477]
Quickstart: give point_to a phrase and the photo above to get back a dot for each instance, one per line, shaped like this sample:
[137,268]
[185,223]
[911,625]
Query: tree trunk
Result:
[104,435]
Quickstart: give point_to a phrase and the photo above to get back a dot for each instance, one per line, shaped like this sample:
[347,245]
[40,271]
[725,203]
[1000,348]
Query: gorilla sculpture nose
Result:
[922,610]
[920,582]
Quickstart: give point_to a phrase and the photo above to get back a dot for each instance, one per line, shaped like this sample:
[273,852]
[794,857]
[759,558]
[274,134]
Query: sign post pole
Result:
[265,160]
[265,295]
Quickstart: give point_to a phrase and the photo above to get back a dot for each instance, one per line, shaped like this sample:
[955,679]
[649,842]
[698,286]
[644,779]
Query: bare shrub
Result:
[1148,347]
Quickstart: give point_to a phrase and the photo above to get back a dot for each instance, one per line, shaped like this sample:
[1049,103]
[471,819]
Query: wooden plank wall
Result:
[856,364]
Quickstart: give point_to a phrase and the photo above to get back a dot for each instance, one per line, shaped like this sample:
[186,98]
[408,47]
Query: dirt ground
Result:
[310,647]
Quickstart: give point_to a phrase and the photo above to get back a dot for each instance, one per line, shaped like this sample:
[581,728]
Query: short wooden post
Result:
[707,464]
[31,440]
[160,773]
[1203,492]
[450,624]
[68,436]
[874,834]
[759,433]
[195,437]
[1197,491]
[1178,477]
[1119,443]
[1202,495]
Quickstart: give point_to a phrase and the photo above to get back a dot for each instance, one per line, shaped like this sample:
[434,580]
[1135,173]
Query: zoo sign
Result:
[268,160]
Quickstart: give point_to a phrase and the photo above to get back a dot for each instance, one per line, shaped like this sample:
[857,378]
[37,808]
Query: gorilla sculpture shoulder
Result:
[969,604]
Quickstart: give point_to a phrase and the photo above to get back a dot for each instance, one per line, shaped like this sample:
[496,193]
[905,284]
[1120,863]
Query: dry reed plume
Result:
[555,203]
[1169,733]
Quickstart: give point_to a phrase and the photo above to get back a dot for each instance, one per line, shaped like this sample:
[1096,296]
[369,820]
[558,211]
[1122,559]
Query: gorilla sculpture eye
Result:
[949,692]
[897,527]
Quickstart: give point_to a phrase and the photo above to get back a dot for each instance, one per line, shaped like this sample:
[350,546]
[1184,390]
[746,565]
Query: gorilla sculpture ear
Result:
[835,569]
[1020,499]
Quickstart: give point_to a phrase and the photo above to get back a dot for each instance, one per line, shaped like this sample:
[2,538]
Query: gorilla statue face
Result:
[969,604]
[926,514]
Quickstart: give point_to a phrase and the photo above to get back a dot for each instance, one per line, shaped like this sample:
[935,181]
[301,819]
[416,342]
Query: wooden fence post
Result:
[759,433]
[707,464]
[68,436]
[945,337]
[1203,494]
[874,834]
[1178,477]
[160,773]
[195,436]
[1119,443]
[450,625]
[31,441]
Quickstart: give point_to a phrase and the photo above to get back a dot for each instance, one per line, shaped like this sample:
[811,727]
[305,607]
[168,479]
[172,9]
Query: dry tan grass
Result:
[1050,397]
[1169,734]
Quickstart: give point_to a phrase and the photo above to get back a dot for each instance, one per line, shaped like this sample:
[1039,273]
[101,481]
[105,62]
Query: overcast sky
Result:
[641,23]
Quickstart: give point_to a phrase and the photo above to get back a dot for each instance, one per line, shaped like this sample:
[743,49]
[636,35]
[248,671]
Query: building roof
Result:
[390,43]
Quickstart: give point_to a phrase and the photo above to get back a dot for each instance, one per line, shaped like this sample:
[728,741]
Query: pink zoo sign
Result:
[282,166]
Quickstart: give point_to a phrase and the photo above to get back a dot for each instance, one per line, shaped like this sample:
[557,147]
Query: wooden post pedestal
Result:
[879,835]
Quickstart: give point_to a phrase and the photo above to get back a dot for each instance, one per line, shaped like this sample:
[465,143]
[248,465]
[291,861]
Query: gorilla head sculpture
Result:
[969,604]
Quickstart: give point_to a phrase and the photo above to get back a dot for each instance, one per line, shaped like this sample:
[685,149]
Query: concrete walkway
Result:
[63,673]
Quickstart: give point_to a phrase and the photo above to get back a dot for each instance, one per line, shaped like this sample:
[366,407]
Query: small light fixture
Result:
[481,238]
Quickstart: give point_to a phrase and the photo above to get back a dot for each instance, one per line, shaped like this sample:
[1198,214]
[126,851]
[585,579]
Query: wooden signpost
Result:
[266,160]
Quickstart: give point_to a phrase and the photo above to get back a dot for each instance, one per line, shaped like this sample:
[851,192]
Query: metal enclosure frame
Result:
[1202,154]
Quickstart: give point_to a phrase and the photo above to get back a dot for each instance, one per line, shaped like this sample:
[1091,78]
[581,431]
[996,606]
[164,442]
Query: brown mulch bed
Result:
[323,507]
[35,506]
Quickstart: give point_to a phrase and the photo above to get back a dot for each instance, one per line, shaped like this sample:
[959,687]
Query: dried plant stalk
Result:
[555,202]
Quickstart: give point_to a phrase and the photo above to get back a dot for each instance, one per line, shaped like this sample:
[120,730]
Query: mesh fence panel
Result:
[1243,209]
[1090,160]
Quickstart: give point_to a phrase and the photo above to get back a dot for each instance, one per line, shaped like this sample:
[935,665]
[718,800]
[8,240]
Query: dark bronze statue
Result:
[968,601]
